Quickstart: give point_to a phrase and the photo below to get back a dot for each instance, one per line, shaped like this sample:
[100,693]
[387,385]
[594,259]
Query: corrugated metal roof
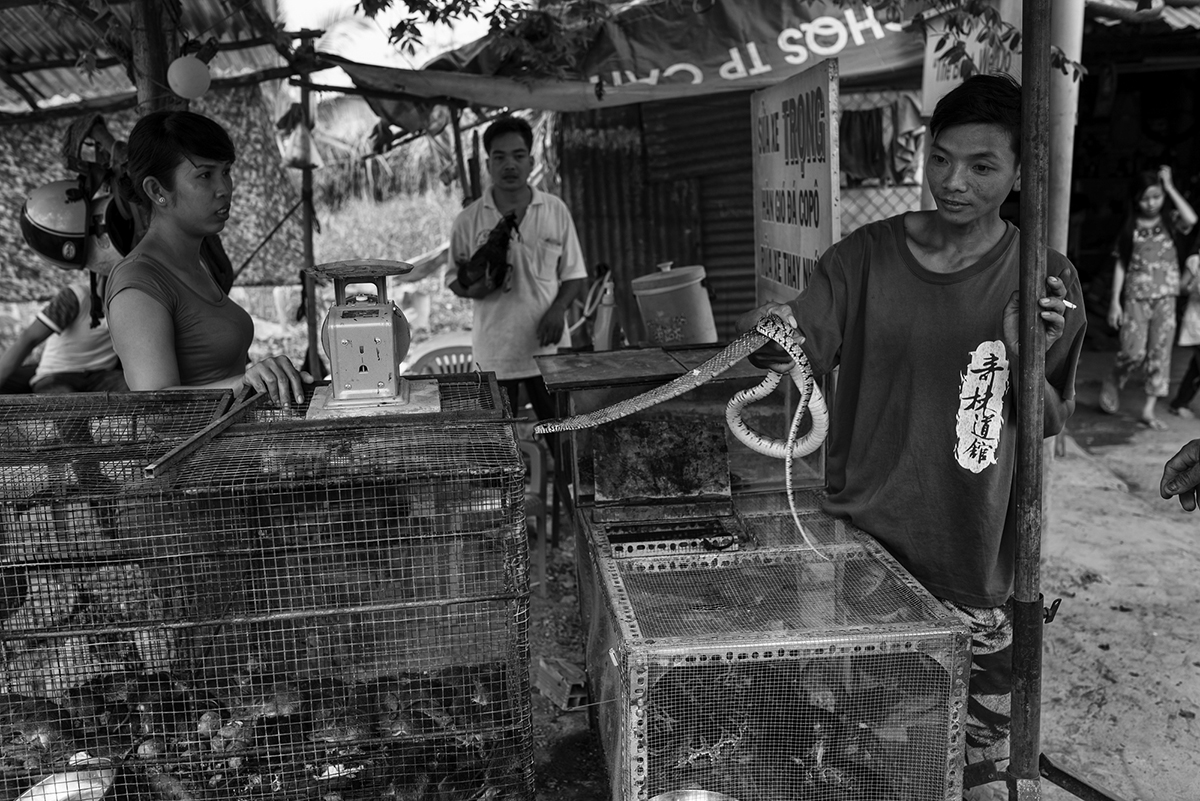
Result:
[1118,12]
[41,45]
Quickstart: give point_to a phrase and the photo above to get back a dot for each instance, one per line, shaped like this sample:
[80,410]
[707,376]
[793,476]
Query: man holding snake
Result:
[918,313]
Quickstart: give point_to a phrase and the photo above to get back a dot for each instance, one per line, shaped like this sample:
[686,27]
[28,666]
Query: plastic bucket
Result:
[675,307]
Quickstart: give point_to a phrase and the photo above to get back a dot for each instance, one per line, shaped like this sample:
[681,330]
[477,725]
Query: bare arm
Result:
[1187,215]
[34,334]
[143,335]
[550,327]
[1115,311]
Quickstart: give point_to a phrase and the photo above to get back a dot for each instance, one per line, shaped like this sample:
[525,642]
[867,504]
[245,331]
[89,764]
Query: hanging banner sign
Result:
[797,198]
[938,77]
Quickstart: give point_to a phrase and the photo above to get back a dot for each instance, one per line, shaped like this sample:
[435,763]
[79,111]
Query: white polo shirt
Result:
[544,252]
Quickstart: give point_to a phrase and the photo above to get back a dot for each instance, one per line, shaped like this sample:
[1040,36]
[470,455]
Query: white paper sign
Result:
[797,202]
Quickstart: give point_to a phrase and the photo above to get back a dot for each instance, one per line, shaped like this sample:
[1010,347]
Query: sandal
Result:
[1154,424]
[1109,399]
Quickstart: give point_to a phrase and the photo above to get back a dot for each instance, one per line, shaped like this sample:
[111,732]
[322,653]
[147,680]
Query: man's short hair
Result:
[982,99]
[504,125]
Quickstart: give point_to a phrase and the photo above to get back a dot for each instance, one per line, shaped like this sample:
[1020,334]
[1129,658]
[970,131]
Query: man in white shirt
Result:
[522,291]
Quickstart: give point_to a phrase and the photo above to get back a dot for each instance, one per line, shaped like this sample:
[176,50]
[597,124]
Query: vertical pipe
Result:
[1066,32]
[310,286]
[1027,606]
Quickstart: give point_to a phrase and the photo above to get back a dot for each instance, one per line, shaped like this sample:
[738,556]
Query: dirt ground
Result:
[1121,660]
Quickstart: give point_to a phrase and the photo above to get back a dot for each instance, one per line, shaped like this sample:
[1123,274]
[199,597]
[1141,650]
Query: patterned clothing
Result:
[1147,336]
[1148,301]
[989,701]
[1153,269]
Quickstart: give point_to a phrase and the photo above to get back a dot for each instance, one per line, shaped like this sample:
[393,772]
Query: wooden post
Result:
[474,166]
[154,48]
[1027,601]
[310,285]
[458,156]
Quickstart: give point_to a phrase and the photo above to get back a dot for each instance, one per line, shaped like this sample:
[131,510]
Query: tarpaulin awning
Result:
[664,49]
[1172,16]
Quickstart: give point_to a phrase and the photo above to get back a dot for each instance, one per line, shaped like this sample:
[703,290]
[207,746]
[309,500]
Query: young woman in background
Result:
[1146,283]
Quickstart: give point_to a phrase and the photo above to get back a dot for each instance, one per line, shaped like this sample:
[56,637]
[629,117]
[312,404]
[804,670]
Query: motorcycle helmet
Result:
[54,222]
[108,234]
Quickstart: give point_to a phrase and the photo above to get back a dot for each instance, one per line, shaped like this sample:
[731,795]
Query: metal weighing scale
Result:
[366,337]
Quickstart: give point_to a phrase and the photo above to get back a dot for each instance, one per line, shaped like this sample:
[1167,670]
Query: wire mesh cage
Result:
[773,673]
[294,610]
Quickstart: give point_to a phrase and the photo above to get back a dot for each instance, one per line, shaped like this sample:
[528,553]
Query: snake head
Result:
[782,348]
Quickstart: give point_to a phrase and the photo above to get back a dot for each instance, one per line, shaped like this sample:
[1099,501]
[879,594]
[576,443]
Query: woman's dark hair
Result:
[505,125]
[983,100]
[1138,184]
[161,140]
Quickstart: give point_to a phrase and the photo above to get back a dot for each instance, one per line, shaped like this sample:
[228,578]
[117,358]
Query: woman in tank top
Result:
[172,325]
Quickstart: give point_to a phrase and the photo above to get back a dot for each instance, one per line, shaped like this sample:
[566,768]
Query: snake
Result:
[769,328]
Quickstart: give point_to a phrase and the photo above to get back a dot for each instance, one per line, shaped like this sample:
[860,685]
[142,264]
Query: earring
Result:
[162,200]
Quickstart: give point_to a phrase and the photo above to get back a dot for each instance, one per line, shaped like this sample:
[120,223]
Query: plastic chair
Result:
[450,359]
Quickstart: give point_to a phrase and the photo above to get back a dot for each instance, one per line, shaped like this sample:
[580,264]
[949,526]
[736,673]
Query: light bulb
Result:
[188,77]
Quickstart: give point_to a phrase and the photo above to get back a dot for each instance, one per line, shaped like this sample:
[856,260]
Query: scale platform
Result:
[415,396]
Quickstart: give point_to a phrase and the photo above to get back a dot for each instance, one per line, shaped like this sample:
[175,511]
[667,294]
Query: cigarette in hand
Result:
[1069,304]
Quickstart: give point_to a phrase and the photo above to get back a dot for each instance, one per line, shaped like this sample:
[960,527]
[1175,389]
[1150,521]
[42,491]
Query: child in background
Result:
[78,356]
[1146,283]
[1189,337]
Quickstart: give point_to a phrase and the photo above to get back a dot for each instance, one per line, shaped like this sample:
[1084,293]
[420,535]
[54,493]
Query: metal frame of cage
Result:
[632,652]
[304,607]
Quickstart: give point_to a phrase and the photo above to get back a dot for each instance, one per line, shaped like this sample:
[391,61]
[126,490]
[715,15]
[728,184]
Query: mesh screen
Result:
[801,723]
[772,673]
[60,447]
[295,610]
[720,534]
[696,597]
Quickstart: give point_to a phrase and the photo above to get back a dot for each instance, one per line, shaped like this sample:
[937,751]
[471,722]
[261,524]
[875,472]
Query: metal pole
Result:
[310,285]
[1027,600]
[1066,32]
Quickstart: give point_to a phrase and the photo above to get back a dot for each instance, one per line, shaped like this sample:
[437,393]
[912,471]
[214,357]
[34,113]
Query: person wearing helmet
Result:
[172,324]
[56,222]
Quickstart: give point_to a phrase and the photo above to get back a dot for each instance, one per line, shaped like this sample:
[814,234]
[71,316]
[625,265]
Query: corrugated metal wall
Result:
[625,219]
[708,140]
[674,182]
[666,182]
